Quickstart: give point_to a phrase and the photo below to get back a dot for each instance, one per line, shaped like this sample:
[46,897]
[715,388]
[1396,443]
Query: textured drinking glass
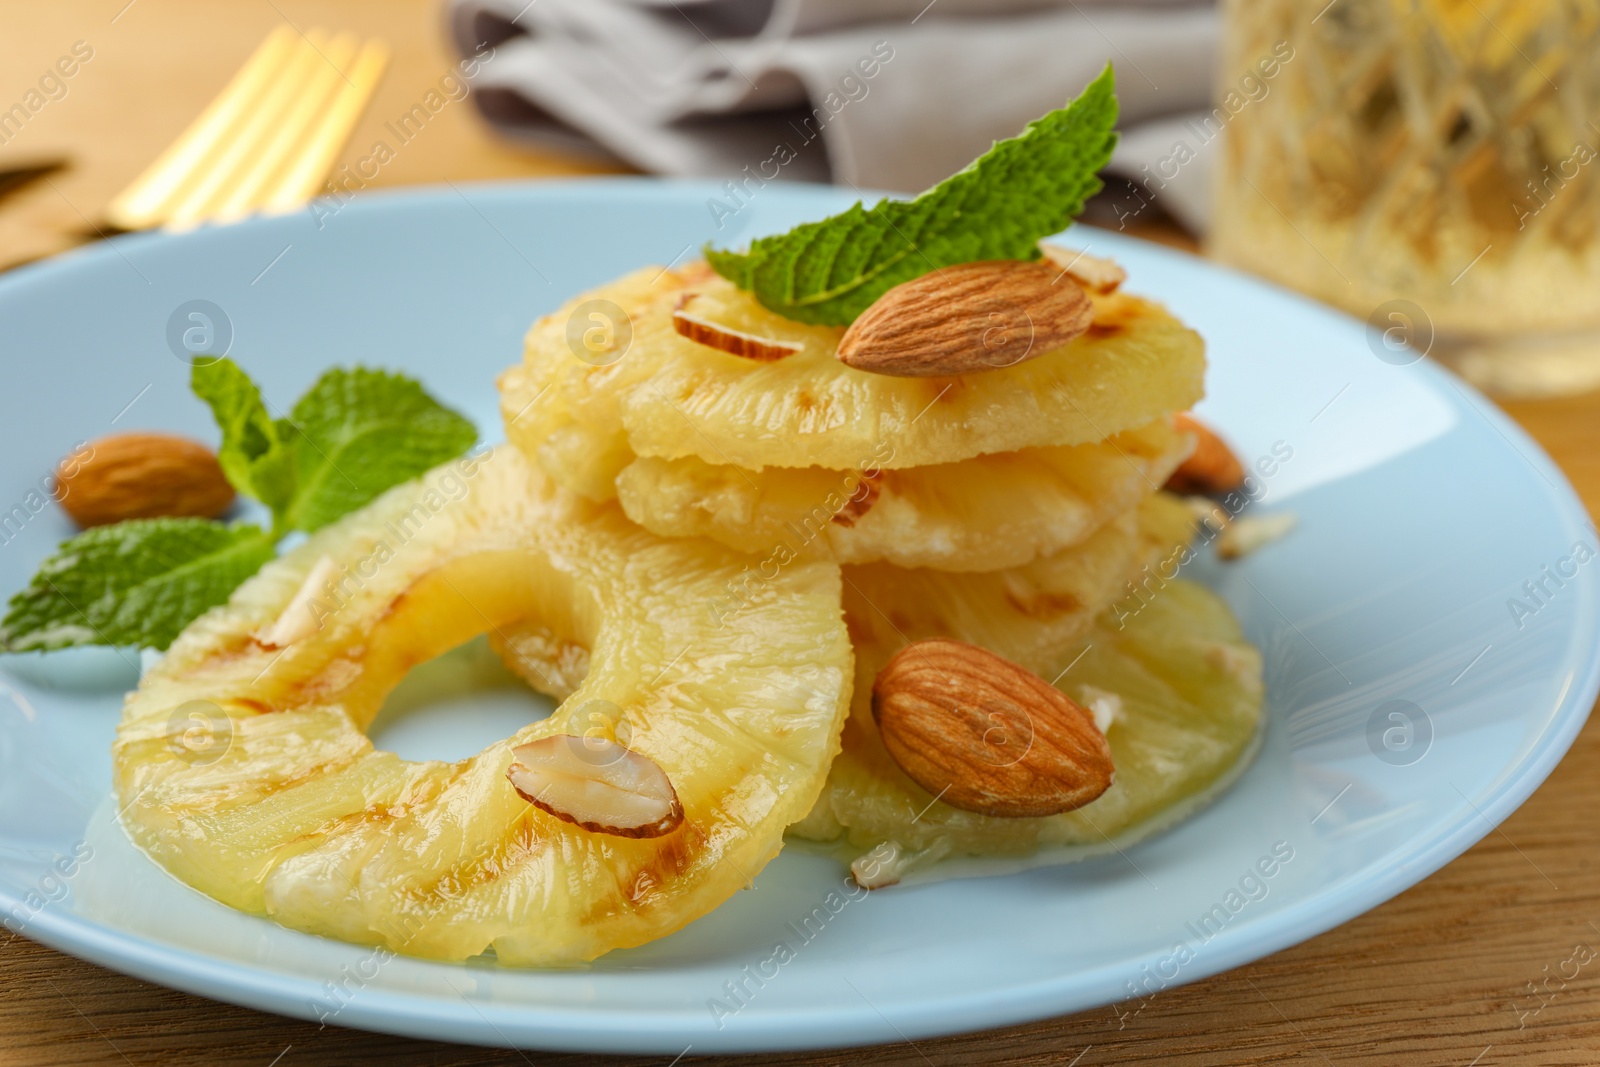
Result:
[1428,165]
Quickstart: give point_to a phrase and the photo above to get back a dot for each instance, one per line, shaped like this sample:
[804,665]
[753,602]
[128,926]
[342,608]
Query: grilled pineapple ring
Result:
[655,393]
[984,513]
[290,812]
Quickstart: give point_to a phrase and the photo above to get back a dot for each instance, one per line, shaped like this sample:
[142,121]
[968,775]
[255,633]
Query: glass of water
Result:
[1432,166]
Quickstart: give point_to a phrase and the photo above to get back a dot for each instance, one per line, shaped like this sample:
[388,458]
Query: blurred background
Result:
[883,95]
[1423,164]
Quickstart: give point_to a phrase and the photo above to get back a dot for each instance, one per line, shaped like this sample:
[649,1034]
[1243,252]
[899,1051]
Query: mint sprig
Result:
[354,434]
[998,207]
[132,583]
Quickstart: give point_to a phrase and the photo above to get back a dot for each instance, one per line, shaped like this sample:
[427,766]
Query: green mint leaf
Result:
[254,455]
[133,583]
[998,207]
[358,432]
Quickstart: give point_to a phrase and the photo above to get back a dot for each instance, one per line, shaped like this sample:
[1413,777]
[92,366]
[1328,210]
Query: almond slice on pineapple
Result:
[727,339]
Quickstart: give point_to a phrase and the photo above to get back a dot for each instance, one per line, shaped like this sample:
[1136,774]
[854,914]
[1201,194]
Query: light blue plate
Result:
[1411,708]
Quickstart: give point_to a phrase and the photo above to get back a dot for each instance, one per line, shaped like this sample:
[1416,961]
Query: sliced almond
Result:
[726,339]
[1211,469]
[1248,533]
[983,734]
[968,318]
[880,867]
[1095,273]
[141,476]
[1208,511]
[301,618]
[597,784]
[1104,706]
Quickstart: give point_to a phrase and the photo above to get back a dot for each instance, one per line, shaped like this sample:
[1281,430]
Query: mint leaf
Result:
[996,208]
[358,432]
[254,455]
[134,583]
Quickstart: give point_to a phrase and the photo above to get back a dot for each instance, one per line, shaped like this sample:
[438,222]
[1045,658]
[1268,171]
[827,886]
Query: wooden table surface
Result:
[1440,975]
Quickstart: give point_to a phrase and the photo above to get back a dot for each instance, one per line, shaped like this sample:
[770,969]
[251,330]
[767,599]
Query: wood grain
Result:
[1439,975]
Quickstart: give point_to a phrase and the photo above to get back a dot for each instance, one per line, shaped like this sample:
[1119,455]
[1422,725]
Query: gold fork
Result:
[268,140]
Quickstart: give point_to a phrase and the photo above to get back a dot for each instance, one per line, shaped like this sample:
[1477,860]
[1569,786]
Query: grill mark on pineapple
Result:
[235,648]
[264,789]
[638,889]
[397,602]
[410,799]
[860,500]
[507,855]
[326,684]
[940,390]
[375,815]
[1042,605]
[646,884]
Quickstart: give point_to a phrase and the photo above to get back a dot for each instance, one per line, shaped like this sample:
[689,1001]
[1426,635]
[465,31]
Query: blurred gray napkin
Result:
[872,94]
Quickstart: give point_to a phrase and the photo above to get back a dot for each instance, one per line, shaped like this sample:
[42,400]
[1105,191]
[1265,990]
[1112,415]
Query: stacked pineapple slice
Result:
[1012,508]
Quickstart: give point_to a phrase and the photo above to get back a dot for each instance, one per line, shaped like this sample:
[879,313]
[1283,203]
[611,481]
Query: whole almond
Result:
[967,318]
[1211,468]
[141,476]
[983,734]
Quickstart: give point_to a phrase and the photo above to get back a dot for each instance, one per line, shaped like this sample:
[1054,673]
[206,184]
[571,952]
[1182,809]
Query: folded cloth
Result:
[873,94]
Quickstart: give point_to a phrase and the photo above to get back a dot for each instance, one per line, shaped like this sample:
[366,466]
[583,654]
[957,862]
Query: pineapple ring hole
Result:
[408,651]
[456,705]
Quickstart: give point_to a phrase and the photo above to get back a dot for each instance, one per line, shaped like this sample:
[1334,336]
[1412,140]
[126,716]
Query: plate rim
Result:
[630,1031]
